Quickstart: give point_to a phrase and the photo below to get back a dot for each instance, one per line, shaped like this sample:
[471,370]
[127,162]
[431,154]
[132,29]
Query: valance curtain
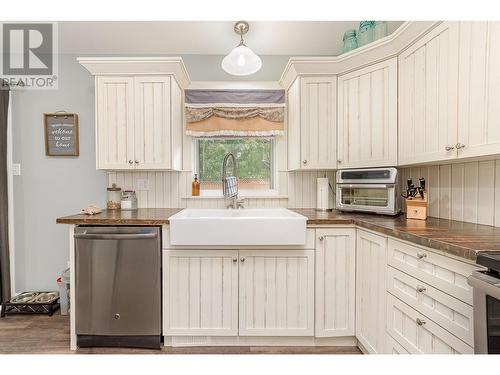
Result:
[234,113]
[4,228]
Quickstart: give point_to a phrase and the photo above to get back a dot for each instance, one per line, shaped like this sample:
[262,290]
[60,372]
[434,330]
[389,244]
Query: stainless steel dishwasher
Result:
[118,286]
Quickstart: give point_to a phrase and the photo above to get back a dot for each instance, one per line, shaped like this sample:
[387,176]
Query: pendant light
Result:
[241,61]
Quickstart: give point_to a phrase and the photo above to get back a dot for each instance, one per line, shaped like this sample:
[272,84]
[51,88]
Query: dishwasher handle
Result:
[109,236]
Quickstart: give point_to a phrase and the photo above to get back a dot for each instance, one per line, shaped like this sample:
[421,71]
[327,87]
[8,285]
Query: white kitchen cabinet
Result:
[419,334]
[371,291]
[200,292]
[139,123]
[479,88]
[276,293]
[311,123]
[367,116]
[450,313]
[115,122]
[335,282]
[428,97]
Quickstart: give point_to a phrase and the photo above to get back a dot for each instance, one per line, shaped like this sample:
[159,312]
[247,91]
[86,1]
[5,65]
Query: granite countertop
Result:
[457,238]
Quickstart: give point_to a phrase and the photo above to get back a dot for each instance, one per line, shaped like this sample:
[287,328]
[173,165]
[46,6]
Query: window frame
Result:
[273,173]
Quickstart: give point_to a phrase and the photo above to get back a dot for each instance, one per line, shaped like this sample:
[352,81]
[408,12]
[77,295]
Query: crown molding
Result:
[137,66]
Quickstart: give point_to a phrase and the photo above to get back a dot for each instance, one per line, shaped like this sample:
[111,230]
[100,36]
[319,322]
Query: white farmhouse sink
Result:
[259,227]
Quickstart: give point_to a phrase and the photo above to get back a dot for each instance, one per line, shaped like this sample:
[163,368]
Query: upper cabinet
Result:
[139,107]
[311,123]
[479,89]
[428,97]
[367,116]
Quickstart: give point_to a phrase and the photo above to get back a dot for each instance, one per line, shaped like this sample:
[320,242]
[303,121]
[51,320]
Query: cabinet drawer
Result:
[450,313]
[446,274]
[394,347]
[419,334]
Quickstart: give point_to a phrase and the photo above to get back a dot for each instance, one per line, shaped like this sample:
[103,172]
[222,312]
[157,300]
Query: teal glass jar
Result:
[379,30]
[350,41]
[365,33]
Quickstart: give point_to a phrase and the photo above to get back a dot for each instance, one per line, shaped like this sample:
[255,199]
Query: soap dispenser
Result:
[195,186]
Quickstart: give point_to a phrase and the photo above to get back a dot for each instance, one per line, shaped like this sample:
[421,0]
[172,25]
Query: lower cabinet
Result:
[276,293]
[370,291]
[335,282]
[200,293]
[245,293]
[418,334]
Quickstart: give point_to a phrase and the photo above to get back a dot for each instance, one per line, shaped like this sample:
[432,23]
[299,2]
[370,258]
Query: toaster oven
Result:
[368,190]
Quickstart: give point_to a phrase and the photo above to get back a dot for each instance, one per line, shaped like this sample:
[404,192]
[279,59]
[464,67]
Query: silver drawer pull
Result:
[459,145]
[421,289]
[449,148]
[421,255]
[420,322]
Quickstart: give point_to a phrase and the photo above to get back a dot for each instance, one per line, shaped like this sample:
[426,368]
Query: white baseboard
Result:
[191,341]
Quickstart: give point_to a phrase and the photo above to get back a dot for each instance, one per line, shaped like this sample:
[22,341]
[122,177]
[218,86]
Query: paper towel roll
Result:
[323,194]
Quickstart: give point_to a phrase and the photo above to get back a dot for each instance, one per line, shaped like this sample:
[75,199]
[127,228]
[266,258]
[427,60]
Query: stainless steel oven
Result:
[368,190]
[486,289]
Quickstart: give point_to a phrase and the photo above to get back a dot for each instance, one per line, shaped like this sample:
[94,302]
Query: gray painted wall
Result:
[50,187]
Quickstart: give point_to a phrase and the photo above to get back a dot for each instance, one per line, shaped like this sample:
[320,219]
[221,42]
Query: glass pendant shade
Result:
[241,61]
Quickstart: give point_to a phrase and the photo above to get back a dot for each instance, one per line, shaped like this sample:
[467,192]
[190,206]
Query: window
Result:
[254,158]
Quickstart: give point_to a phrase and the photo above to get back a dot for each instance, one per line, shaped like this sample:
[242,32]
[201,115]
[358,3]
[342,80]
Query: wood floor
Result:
[39,334]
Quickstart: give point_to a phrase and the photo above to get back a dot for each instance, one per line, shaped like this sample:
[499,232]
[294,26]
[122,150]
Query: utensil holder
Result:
[416,208]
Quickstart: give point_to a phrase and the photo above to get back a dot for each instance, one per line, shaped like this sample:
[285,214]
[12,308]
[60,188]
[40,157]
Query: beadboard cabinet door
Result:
[200,293]
[139,123]
[311,123]
[335,282]
[367,116]
[371,291]
[428,97]
[153,123]
[479,88]
[276,293]
[115,122]
[318,118]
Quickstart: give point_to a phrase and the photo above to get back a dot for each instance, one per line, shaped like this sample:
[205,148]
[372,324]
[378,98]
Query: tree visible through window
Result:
[254,162]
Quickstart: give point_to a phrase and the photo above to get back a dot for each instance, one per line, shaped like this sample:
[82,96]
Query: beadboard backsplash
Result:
[463,191]
[173,189]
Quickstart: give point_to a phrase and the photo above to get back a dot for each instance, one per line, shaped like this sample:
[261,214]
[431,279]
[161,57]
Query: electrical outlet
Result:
[142,184]
[16,169]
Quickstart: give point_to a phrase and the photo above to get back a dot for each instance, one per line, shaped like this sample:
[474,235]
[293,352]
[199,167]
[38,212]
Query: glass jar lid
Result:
[114,188]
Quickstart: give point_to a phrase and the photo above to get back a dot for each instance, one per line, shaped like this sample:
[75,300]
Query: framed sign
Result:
[61,134]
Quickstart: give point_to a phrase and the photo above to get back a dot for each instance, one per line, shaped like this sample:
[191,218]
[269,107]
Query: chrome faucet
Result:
[230,183]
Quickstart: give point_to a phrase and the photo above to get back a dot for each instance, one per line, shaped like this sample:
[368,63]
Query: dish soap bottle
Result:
[195,187]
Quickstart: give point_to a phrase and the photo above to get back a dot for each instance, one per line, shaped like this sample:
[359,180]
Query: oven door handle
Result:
[368,186]
[487,284]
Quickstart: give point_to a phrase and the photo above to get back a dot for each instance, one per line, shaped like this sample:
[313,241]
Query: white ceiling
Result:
[293,38]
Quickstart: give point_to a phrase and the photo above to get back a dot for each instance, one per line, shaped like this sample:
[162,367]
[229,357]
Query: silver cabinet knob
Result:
[304,162]
[136,162]
[449,148]
[421,289]
[420,322]
[421,255]
[242,260]
[130,162]
[235,260]
[321,238]
[339,161]
[117,316]
[459,145]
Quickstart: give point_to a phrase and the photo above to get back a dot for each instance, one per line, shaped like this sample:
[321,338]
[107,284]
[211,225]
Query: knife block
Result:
[416,208]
